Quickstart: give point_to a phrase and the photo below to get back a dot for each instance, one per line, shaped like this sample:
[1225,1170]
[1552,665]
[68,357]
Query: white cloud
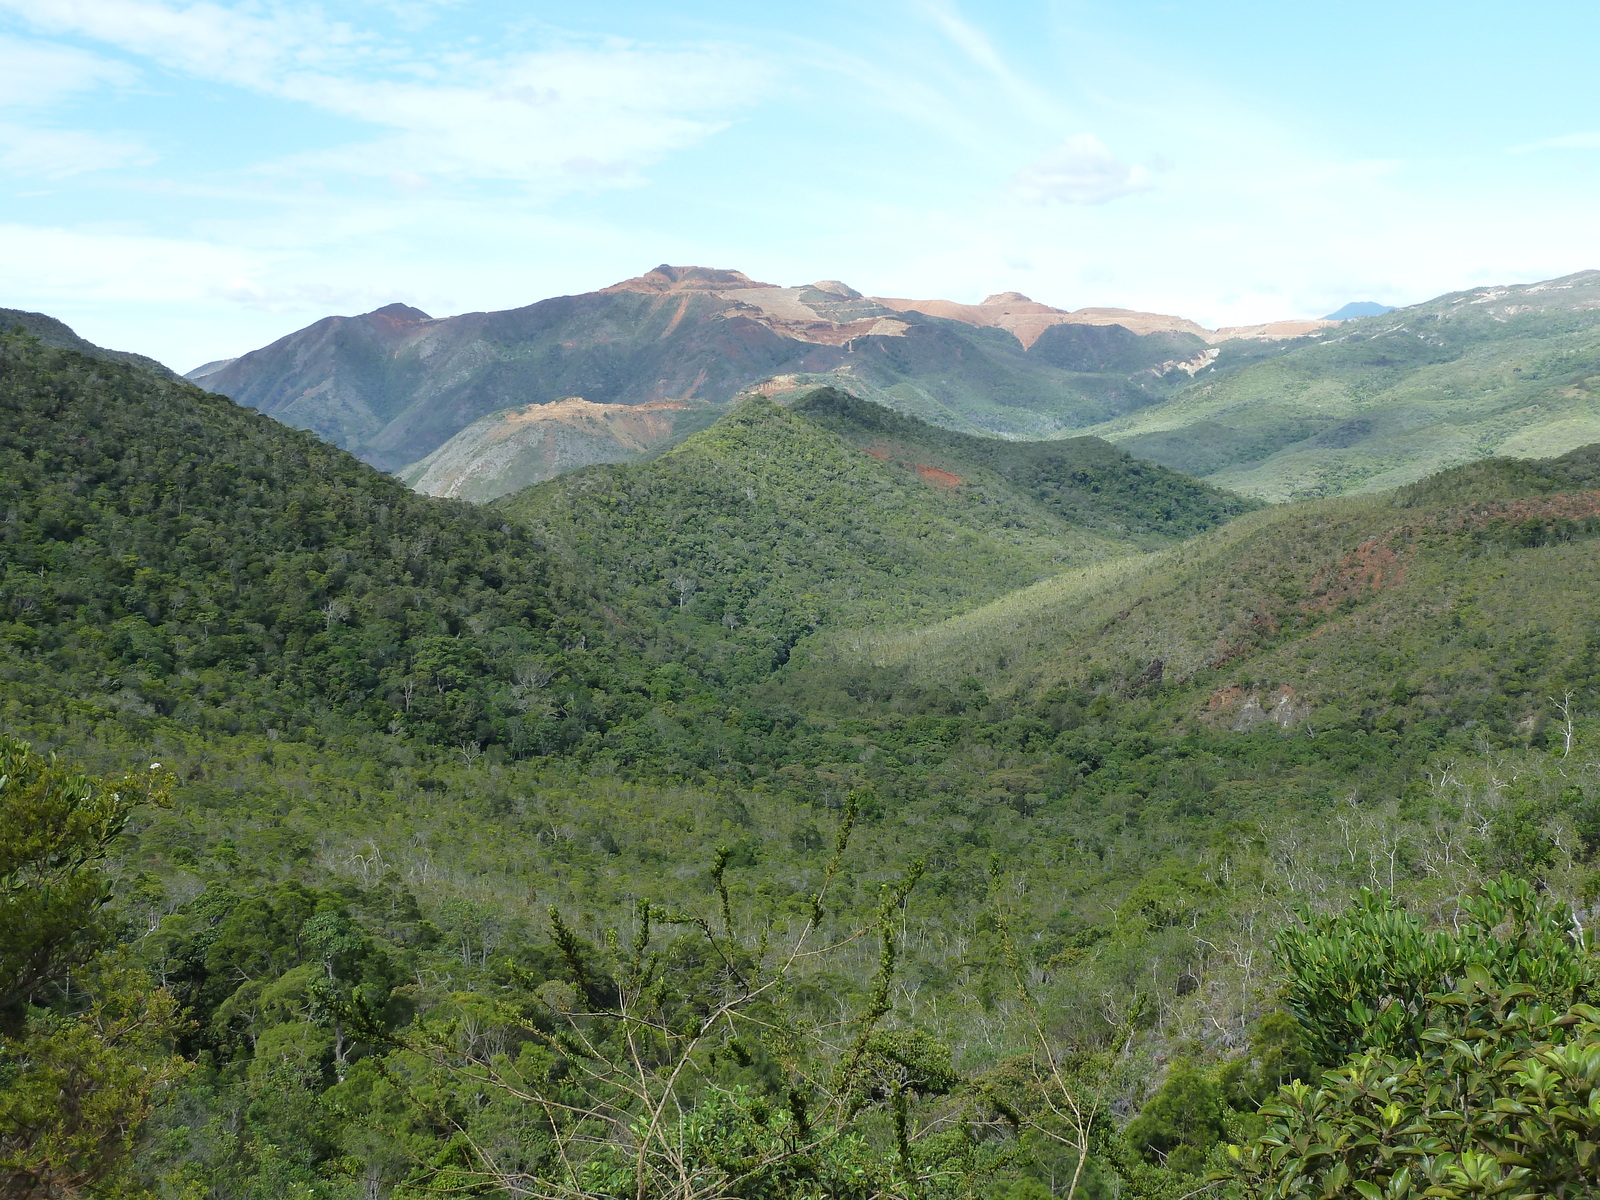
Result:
[55,153]
[1568,141]
[38,74]
[576,116]
[573,117]
[1081,170]
[204,39]
[41,264]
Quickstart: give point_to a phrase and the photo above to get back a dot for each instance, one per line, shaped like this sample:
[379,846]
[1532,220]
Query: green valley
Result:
[780,520]
[831,805]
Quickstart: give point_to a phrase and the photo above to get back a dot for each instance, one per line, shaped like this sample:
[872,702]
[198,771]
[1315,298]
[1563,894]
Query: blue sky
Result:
[192,180]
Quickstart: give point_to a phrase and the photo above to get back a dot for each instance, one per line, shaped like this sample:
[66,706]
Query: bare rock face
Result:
[1242,711]
[1028,319]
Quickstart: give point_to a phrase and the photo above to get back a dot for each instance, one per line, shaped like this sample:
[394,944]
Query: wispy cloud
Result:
[1081,170]
[1589,140]
[37,74]
[57,153]
[577,115]
[571,117]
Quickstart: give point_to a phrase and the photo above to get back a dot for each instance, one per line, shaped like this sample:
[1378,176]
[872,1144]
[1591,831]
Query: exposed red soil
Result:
[1370,567]
[1569,506]
[1375,565]
[937,477]
[1380,562]
[1223,697]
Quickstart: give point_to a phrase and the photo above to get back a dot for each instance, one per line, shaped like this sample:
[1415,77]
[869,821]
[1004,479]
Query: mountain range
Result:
[461,405]
[1382,401]
[481,404]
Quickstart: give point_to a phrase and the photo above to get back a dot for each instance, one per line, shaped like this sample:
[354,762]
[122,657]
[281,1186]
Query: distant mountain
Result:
[1359,308]
[60,335]
[1027,319]
[395,385]
[1380,401]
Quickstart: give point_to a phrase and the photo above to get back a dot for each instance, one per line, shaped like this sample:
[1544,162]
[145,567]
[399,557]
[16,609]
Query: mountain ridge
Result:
[1387,399]
[394,385]
[54,332]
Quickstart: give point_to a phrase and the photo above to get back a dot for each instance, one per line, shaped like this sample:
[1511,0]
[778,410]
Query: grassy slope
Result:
[1467,598]
[1391,399]
[778,521]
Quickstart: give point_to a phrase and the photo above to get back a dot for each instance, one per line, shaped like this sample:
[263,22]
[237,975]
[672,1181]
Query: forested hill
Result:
[1385,400]
[57,333]
[778,521]
[1086,481]
[167,553]
[1450,610]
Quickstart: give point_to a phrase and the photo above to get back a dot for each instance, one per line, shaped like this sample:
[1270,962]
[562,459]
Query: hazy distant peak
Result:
[834,288]
[666,278]
[1009,298]
[1359,308]
[400,312]
[210,368]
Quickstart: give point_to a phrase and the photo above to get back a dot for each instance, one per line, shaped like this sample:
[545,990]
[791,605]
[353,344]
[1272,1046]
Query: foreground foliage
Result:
[1477,1086]
[85,1040]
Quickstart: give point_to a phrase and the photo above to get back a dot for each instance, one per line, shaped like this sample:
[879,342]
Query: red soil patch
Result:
[937,477]
[877,453]
[1223,697]
[1370,567]
[1571,506]
[1380,562]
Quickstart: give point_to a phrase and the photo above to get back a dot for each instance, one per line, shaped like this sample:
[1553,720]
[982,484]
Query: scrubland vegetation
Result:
[399,848]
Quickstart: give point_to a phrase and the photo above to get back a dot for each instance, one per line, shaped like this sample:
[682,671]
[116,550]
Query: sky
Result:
[192,180]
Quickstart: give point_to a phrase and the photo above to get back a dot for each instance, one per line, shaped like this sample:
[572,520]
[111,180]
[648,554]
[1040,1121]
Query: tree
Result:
[1502,1099]
[678,1064]
[1471,1057]
[1361,978]
[85,1041]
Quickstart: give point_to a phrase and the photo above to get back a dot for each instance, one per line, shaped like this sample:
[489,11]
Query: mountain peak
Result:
[400,312]
[1008,298]
[834,288]
[667,278]
[1359,308]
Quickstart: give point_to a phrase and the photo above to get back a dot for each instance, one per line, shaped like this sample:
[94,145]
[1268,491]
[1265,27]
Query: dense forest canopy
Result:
[928,839]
